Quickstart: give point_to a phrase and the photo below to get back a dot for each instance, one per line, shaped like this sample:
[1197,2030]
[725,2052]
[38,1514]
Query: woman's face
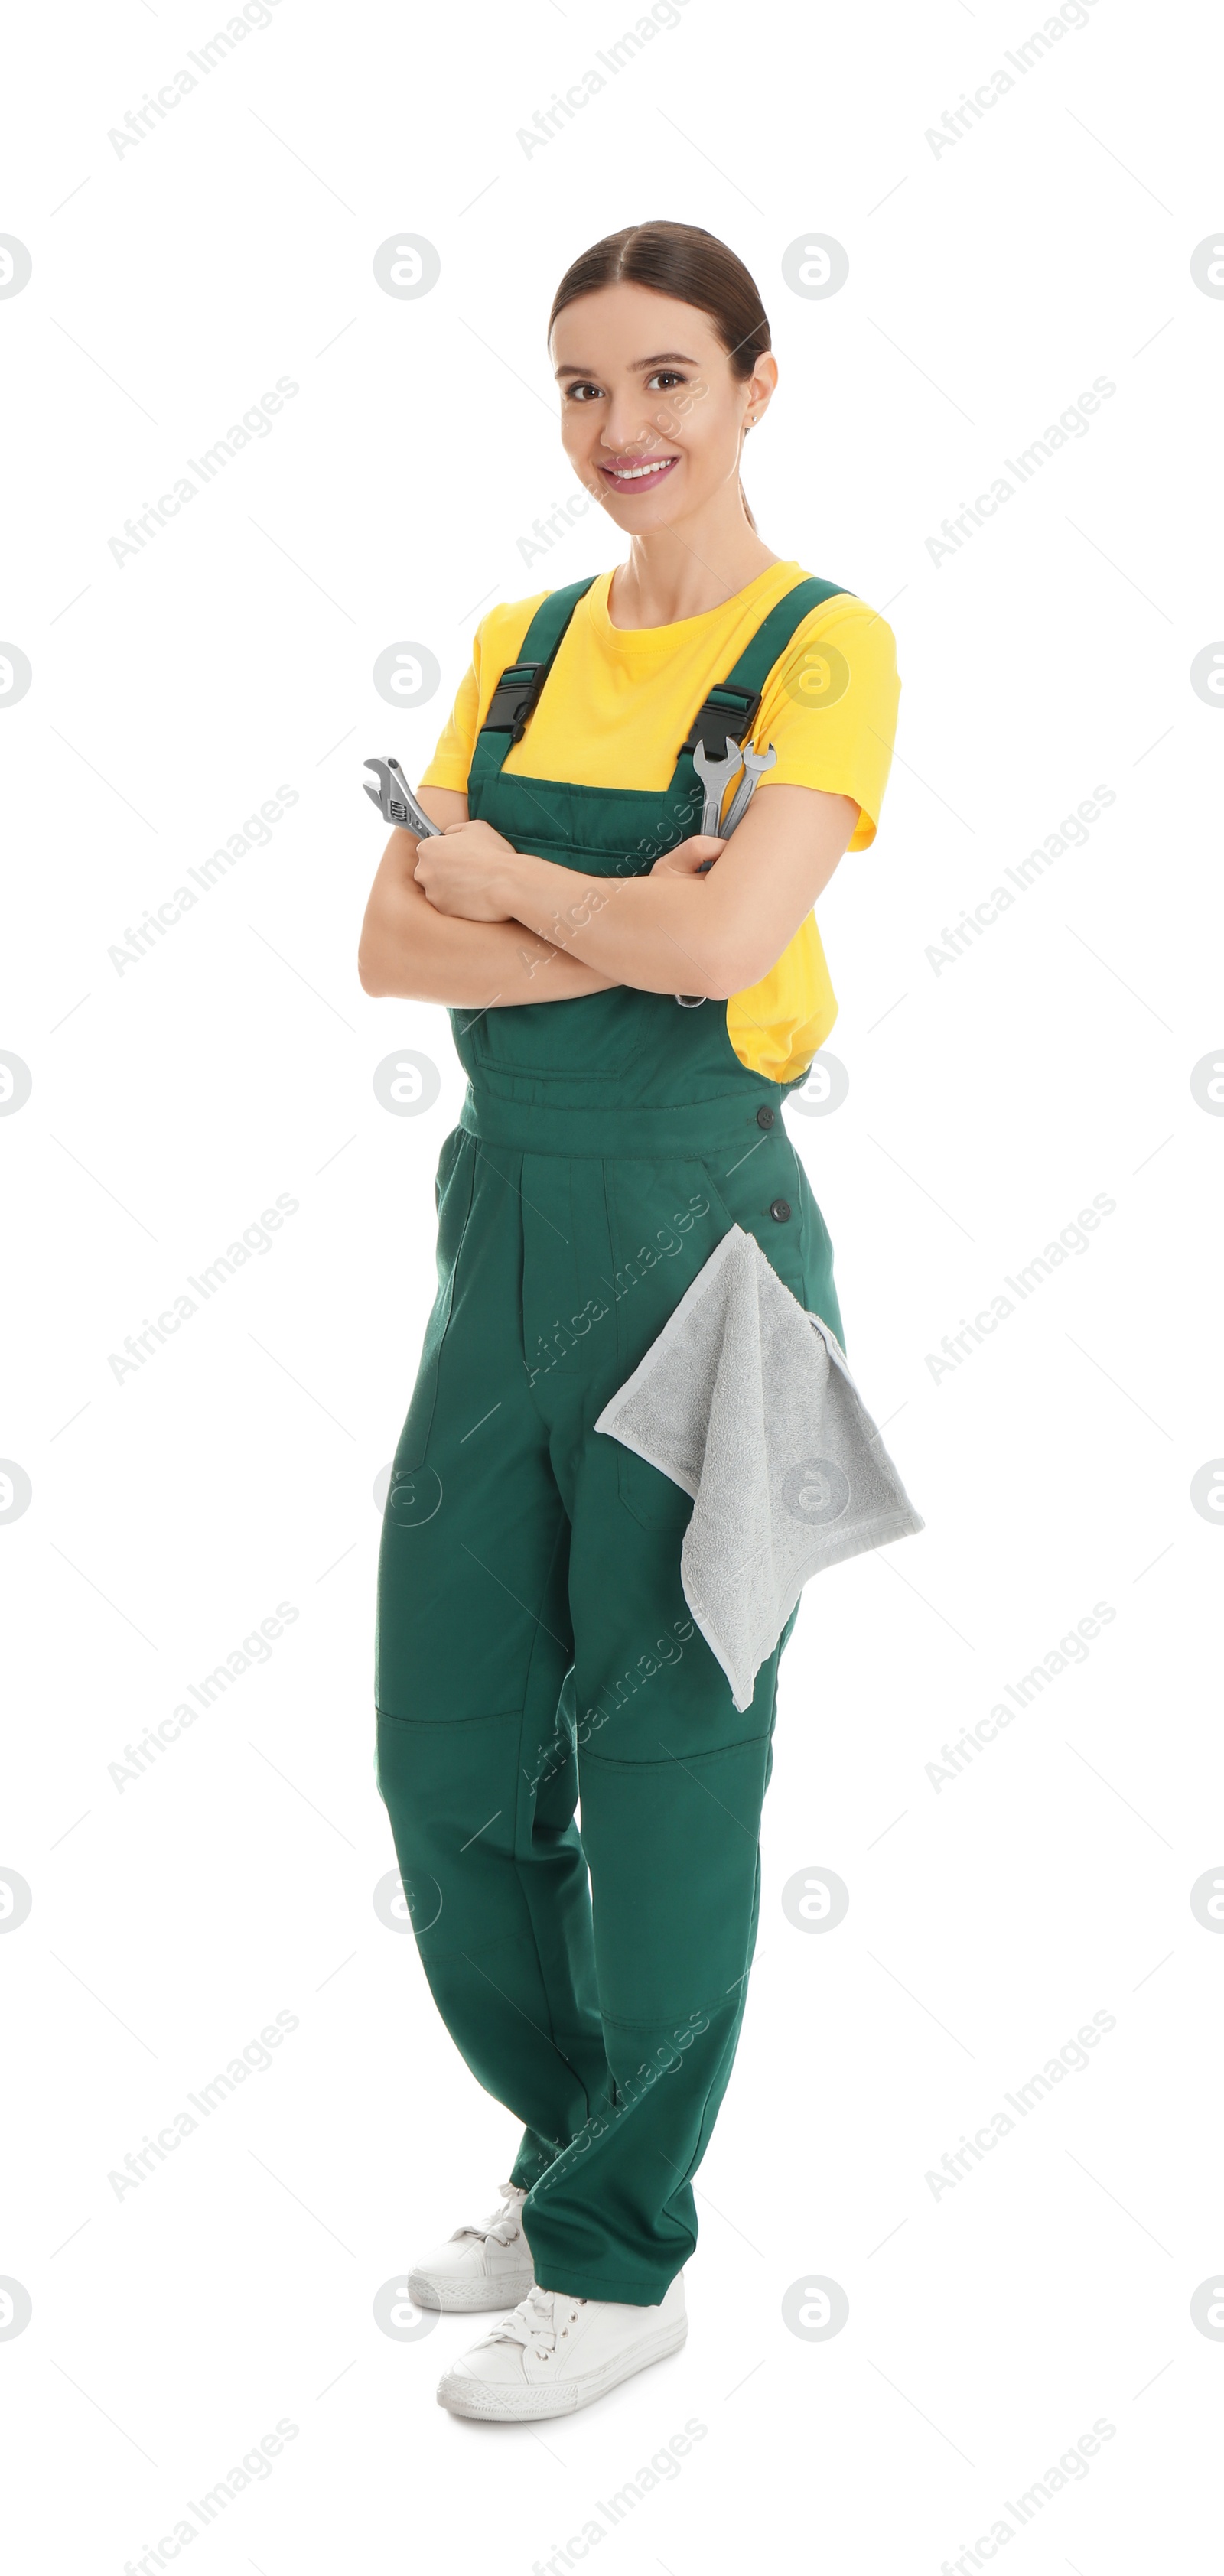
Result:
[652,417]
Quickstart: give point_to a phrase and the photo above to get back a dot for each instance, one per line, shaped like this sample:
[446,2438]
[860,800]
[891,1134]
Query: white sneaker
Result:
[482,2266]
[556,2353]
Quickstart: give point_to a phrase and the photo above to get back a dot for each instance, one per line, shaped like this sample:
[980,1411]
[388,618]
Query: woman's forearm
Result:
[410,950]
[660,933]
[678,930]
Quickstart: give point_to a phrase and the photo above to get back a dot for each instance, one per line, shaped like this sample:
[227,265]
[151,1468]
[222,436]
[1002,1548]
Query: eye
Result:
[581,393]
[663,379]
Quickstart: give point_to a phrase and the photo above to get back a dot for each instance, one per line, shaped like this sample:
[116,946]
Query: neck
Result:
[684,570]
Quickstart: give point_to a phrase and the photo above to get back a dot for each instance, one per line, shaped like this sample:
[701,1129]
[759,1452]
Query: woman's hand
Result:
[692,857]
[463,872]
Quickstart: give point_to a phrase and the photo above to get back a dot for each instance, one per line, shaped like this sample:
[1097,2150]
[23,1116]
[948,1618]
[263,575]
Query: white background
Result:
[174,1916]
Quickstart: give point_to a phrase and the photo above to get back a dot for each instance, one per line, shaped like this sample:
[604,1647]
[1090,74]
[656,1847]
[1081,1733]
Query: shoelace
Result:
[534,2322]
[503,2225]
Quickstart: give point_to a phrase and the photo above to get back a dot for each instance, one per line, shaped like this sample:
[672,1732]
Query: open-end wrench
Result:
[714,776]
[754,763]
[395,800]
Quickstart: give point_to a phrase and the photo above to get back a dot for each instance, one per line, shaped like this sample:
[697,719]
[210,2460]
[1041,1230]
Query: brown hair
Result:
[693,266]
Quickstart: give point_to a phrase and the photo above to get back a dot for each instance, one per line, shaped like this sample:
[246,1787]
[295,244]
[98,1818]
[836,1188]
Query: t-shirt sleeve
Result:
[453,754]
[498,643]
[830,709]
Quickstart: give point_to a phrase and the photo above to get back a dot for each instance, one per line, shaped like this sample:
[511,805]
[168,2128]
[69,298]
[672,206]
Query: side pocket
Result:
[661,1228]
[446,1165]
[454,1194]
[745,1196]
[656,1504]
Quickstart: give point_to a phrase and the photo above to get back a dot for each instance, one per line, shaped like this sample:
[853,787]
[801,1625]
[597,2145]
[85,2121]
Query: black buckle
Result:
[513,699]
[727,715]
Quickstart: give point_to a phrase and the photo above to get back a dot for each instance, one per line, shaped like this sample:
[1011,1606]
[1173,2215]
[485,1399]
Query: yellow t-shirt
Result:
[620,700]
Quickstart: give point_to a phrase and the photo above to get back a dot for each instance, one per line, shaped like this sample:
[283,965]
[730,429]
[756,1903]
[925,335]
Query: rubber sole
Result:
[505,2405]
[464,2298]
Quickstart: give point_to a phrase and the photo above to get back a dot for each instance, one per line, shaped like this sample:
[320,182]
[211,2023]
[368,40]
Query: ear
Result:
[762,383]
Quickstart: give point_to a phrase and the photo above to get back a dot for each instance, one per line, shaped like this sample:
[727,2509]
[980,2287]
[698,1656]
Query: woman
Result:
[631,999]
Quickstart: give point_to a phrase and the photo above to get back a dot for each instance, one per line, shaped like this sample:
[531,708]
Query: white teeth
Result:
[631,473]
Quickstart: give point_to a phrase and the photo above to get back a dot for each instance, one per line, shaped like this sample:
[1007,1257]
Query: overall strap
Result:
[730,710]
[517,692]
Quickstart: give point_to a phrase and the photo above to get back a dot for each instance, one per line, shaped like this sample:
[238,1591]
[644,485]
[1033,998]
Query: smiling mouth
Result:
[636,478]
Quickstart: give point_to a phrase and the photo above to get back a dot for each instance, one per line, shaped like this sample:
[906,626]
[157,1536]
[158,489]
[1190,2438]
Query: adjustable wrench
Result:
[714,776]
[754,763]
[395,800]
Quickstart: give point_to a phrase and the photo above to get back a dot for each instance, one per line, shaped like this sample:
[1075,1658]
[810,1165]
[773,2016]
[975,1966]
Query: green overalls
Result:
[533,1641]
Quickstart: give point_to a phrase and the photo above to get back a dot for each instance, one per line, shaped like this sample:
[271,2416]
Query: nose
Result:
[625,433]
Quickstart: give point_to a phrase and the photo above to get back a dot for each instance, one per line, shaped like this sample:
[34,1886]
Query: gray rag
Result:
[745,1401]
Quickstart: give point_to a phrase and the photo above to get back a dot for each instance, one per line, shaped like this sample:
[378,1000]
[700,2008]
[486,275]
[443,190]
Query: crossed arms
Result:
[467,920]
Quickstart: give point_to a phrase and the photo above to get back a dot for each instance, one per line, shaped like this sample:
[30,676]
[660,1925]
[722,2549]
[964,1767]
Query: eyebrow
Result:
[664,357]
